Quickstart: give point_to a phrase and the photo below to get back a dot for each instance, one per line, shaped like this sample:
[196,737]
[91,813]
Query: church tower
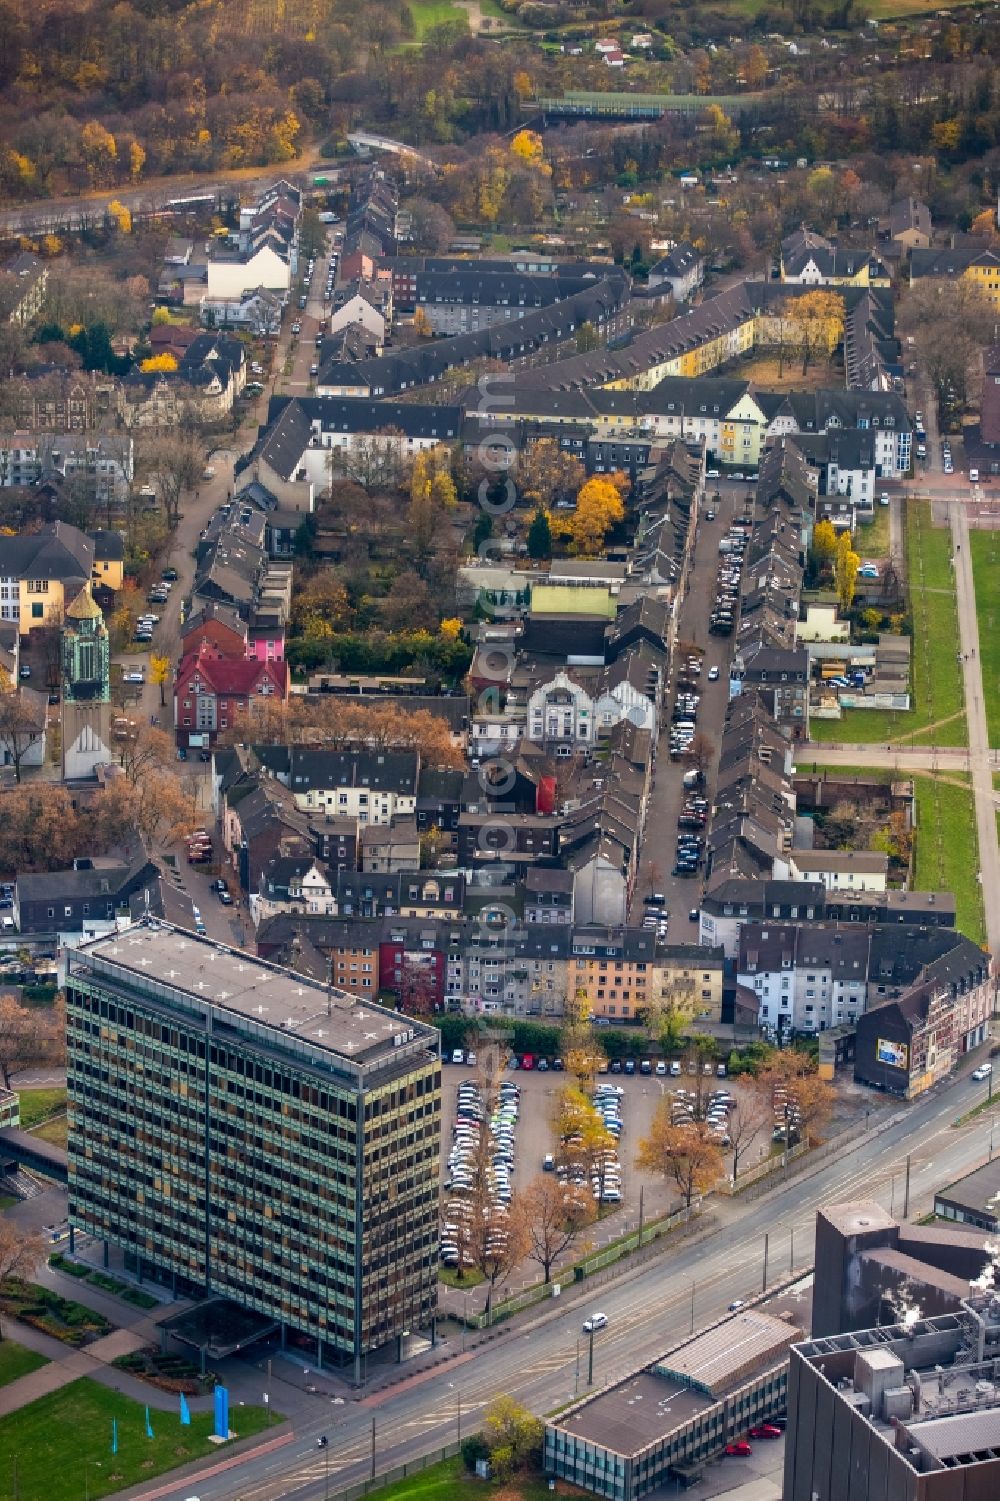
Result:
[86,689]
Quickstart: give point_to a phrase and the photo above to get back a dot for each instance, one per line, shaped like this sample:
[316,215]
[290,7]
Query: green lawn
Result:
[449,1481]
[936,683]
[429,13]
[871,540]
[16,1361]
[985,548]
[38,1104]
[63,1442]
[948,850]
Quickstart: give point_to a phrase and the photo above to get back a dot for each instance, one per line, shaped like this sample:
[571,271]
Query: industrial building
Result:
[905,1413]
[665,1421]
[255,1138]
[868,1265]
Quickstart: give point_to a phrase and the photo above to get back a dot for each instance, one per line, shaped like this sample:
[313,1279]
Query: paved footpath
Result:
[979,740]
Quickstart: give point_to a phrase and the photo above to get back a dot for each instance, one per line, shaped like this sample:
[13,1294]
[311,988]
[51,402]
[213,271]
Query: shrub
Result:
[474,1448]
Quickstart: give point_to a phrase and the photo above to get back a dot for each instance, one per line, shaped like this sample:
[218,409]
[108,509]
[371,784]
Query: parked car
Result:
[982,1072]
[740,1448]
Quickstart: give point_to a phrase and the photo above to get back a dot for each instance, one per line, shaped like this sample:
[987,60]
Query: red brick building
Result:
[210,691]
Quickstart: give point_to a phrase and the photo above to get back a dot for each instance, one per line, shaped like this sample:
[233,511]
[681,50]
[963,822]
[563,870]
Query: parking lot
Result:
[535,1137]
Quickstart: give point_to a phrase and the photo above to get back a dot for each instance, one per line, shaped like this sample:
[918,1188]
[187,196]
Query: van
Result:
[457,1056]
[974,476]
[675,1069]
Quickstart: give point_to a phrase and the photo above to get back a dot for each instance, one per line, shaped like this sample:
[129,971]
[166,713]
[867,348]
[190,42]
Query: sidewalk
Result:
[67,1365]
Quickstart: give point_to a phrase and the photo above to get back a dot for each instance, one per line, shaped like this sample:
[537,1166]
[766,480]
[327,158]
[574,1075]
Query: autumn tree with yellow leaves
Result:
[121,215]
[159,364]
[599,507]
[816,323]
[845,570]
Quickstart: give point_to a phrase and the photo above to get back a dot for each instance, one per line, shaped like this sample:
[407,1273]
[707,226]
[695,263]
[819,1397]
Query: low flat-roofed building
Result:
[662,1422]
[974,1199]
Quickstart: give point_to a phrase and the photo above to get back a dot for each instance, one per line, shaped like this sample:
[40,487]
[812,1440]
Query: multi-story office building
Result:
[243,1132]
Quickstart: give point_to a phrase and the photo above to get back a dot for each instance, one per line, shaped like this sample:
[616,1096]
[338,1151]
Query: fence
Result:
[627,1245]
[765,1169]
[397,1473]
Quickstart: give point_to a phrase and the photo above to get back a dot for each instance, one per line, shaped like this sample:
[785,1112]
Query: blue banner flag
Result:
[149,1426]
[185,1410]
[221,1412]
[114,1435]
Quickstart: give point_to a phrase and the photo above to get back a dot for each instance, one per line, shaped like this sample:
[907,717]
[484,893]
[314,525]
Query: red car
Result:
[765,1430]
[740,1448]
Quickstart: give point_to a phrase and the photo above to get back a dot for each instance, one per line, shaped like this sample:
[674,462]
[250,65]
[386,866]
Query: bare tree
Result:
[20,1253]
[22,725]
[21,1036]
[554,1215]
[746,1123]
[175,465]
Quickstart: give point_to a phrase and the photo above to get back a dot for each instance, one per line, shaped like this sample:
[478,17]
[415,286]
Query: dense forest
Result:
[102,96]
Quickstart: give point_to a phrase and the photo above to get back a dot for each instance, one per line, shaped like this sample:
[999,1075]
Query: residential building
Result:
[468,297]
[807,259]
[910,223]
[372,787]
[96,897]
[680,272]
[979,267]
[925,1012]
[730,903]
[22,288]
[841,870]
[909,1408]
[41,572]
[210,692]
[390,847]
[103,461]
[255,1064]
[210,375]
[548,895]
[49,399]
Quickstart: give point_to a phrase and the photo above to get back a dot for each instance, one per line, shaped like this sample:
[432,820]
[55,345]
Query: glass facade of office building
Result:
[253,1161]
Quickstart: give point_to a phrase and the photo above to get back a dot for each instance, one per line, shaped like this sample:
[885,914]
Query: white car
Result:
[982,1072]
[736,1305]
[595,1322]
[883,499]
[133,677]
[713,674]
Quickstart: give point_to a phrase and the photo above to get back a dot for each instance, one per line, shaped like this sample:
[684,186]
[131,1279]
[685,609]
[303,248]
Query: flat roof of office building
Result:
[635,1413]
[727,1353]
[690,1378]
[183,966]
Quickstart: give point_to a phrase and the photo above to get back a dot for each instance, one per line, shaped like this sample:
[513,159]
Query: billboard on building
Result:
[896,1054]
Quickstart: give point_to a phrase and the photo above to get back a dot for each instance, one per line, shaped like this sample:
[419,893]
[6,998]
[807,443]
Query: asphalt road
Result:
[659,843]
[648,1309]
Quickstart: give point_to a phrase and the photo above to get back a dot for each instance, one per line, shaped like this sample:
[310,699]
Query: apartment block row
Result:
[479,966]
